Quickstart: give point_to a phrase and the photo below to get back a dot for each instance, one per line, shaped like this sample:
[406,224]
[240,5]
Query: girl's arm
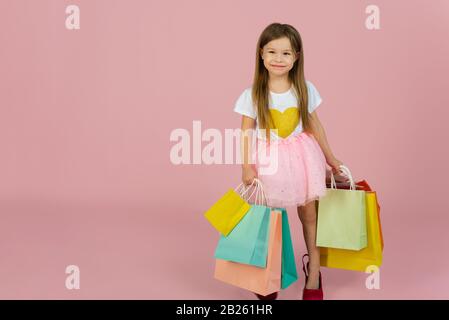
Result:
[320,135]
[248,173]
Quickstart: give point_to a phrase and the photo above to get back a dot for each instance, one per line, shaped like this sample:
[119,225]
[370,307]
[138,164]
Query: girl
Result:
[277,100]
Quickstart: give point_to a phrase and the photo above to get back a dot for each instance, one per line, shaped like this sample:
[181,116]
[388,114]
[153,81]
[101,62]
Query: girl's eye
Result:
[287,53]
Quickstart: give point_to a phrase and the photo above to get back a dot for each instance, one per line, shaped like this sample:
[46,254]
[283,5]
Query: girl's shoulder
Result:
[244,104]
[310,86]
[246,94]
[247,90]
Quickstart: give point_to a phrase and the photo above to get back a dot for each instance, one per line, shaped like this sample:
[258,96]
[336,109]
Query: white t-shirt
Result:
[283,108]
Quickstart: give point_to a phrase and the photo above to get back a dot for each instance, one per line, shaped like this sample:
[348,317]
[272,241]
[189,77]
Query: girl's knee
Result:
[307,213]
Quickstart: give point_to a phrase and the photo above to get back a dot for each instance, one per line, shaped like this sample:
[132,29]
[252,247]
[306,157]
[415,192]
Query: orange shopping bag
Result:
[263,281]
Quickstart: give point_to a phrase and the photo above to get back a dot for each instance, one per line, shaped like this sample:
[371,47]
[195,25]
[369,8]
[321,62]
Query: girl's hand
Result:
[248,175]
[338,174]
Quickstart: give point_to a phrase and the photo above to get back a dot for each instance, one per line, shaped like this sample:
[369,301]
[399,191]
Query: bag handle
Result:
[347,173]
[260,193]
[238,188]
[258,190]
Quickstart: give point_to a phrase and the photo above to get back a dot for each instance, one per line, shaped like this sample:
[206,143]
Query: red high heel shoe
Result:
[311,294]
[271,296]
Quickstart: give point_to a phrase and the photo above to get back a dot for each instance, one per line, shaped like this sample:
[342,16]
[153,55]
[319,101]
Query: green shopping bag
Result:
[342,217]
[248,241]
[288,264]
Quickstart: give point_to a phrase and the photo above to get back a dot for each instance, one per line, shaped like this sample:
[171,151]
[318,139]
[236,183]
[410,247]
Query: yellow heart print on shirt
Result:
[286,121]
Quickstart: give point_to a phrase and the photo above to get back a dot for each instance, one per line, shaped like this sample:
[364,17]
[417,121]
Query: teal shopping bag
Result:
[248,242]
[288,265]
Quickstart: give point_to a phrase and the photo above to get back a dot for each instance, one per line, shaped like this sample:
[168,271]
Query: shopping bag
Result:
[288,269]
[363,185]
[342,217]
[263,281]
[227,212]
[369,256]
[248,241]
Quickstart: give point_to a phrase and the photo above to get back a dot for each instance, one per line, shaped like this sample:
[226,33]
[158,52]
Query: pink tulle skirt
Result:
[292,170]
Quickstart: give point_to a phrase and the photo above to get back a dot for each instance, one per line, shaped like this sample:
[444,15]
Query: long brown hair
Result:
[260,90]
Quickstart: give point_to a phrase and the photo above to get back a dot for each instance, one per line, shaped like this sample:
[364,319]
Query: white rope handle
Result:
[255,189]
[247,188]
[260,193]
[258,190]
[264,197]
[244,187]
[333,184]
[257,193]
[346,172]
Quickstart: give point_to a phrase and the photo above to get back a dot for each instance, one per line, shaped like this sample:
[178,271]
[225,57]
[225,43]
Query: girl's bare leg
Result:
[308,216]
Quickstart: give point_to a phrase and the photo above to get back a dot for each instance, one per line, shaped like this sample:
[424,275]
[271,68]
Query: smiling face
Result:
[278,56]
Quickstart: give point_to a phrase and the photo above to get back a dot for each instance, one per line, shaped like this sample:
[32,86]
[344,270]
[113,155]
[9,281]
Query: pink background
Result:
[86,115]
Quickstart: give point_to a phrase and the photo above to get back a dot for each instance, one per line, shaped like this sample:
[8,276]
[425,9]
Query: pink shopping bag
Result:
[259,280]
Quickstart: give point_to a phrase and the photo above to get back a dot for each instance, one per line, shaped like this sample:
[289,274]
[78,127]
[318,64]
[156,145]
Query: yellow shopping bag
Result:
[227,212]
[359,260]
